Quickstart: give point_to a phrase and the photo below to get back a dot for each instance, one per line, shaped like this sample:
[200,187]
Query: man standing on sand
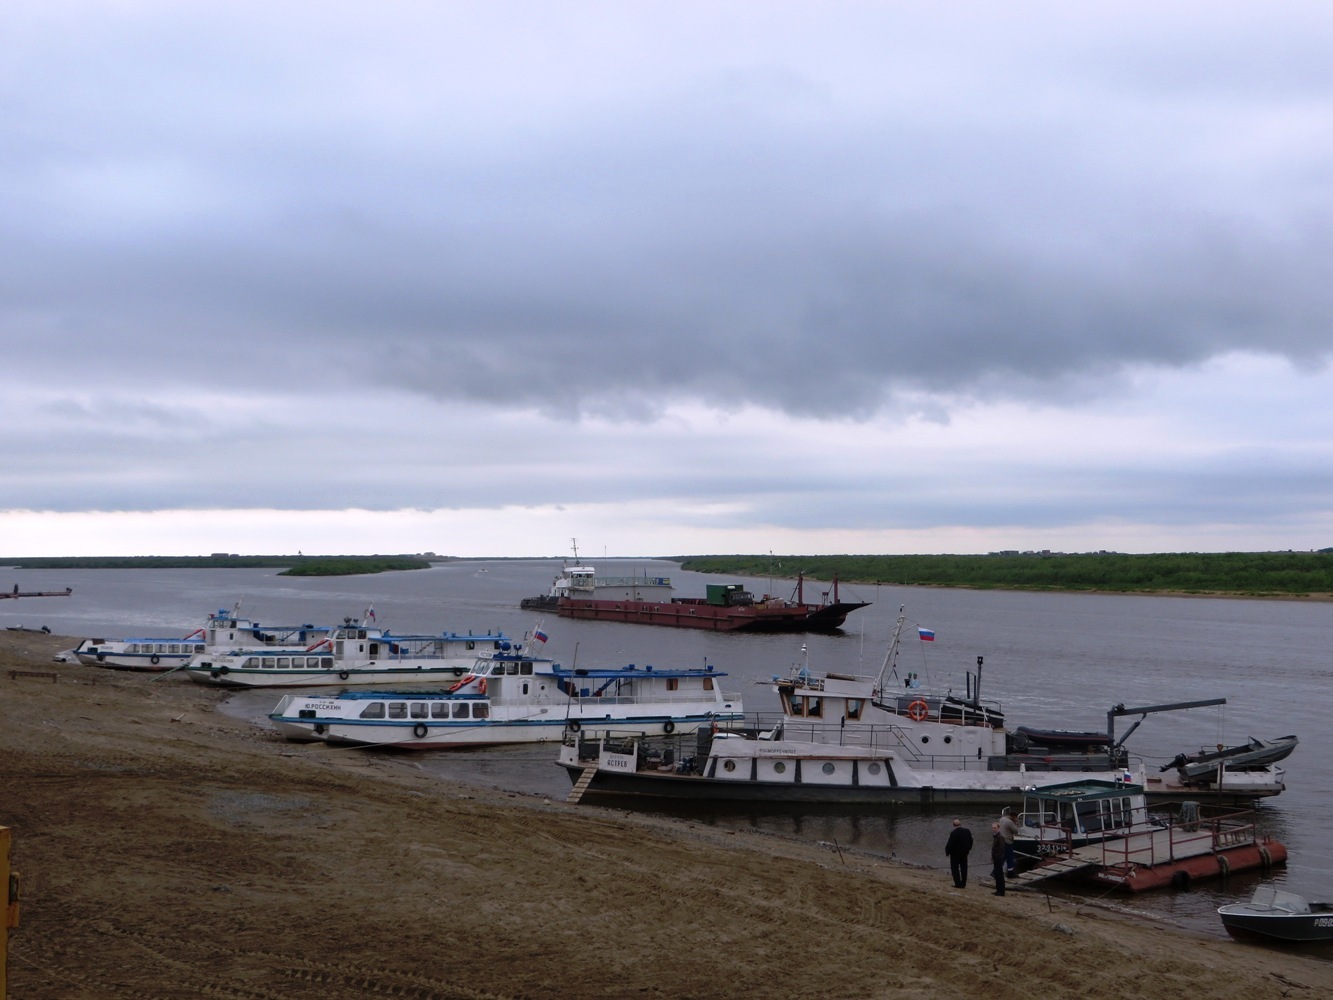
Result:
[958,846]
[997,858]
[1009,830]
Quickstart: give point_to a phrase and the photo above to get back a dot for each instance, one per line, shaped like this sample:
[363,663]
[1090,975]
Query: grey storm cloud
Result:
[593,212]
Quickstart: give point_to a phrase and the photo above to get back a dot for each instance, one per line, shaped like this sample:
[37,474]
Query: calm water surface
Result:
[1052,660]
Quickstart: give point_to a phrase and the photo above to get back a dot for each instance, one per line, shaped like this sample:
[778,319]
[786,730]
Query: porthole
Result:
[948,739]
[925,739]
[828,768]
[728,765]
[873,768]
[780,767]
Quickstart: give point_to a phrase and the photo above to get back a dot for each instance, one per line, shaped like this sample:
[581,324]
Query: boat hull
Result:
[699,614]
[735,769]
[434,735]
[409,675]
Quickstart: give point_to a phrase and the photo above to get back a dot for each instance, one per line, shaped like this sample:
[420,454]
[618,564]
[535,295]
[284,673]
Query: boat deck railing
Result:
[1171,837]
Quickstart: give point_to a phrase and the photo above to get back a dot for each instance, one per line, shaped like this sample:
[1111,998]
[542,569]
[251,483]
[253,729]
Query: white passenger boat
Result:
[510,697]
[225,628]
[350,654]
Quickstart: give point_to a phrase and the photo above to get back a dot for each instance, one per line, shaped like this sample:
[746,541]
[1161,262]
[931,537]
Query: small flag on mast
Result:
[539,635]
[926,634]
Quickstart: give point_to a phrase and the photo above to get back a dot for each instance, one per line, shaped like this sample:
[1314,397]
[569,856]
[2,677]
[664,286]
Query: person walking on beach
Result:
[997,858]
[1008,830]
[958,846]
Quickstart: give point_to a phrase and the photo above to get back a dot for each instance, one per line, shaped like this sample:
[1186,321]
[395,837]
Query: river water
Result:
[1052,660]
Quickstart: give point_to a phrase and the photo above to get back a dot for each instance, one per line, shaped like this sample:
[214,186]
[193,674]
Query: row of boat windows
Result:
[509,667]
[360,633]
[427,710]
[164,647]
[828,767]
[812,707]
[288,663]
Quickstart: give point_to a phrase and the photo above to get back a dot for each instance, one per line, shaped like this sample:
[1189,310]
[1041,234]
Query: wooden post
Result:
[8,885]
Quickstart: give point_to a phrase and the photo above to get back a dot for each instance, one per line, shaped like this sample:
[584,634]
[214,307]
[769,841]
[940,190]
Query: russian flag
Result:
[926,634]
[539,635]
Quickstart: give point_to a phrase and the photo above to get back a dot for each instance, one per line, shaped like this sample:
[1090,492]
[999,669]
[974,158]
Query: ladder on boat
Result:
[581,786]
[1063,864]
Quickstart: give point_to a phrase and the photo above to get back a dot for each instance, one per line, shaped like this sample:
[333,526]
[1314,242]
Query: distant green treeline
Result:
[1252,574]
[293,565]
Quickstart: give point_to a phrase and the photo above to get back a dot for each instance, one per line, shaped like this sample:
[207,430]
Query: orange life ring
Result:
[918,710]
[481,686]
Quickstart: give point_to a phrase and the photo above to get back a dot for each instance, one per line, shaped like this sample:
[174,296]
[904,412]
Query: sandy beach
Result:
[169,850]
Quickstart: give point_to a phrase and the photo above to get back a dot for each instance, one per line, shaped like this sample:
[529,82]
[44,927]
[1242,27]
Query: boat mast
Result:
[891,656]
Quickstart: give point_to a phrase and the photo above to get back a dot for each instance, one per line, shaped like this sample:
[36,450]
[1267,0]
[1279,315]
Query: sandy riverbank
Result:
[168,850]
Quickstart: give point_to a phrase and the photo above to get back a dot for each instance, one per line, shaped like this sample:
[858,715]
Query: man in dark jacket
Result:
[957,847]
[997,846]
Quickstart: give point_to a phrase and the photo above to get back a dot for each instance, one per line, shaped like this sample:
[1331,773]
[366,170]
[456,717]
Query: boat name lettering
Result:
[1323,921]
[618,764]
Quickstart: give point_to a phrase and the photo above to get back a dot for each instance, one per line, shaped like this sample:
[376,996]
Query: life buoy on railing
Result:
[420,730]
[481,686]
[154,659]
[668,727]
[918,710]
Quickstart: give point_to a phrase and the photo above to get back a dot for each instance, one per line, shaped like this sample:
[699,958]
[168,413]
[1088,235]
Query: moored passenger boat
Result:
[350,654]
[224,628]
[510,697]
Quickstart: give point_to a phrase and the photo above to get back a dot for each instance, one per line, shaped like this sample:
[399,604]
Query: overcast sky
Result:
[676,277]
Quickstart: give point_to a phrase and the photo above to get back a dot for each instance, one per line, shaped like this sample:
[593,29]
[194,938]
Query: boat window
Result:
[854,706]
[525,668]
[873,767]
[525,688]
[284,663]
[251,664]
[728,765]
[398,710]
[673,683]
[199,647]
[511,667]
[326,662]
[481,710]
[175,648]
[361,634]
[471,644]
[313,662]
[374,650]
[132,648]
[460,710]
[814,707]
[439,710]
[708,683]
[375,710]
[420,709]
[268,662]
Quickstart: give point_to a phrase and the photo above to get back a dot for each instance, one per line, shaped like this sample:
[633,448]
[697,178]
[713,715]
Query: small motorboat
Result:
[1254,753]
[1282,916]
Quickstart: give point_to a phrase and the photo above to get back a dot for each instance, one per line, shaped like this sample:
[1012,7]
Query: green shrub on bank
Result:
[1287,574]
